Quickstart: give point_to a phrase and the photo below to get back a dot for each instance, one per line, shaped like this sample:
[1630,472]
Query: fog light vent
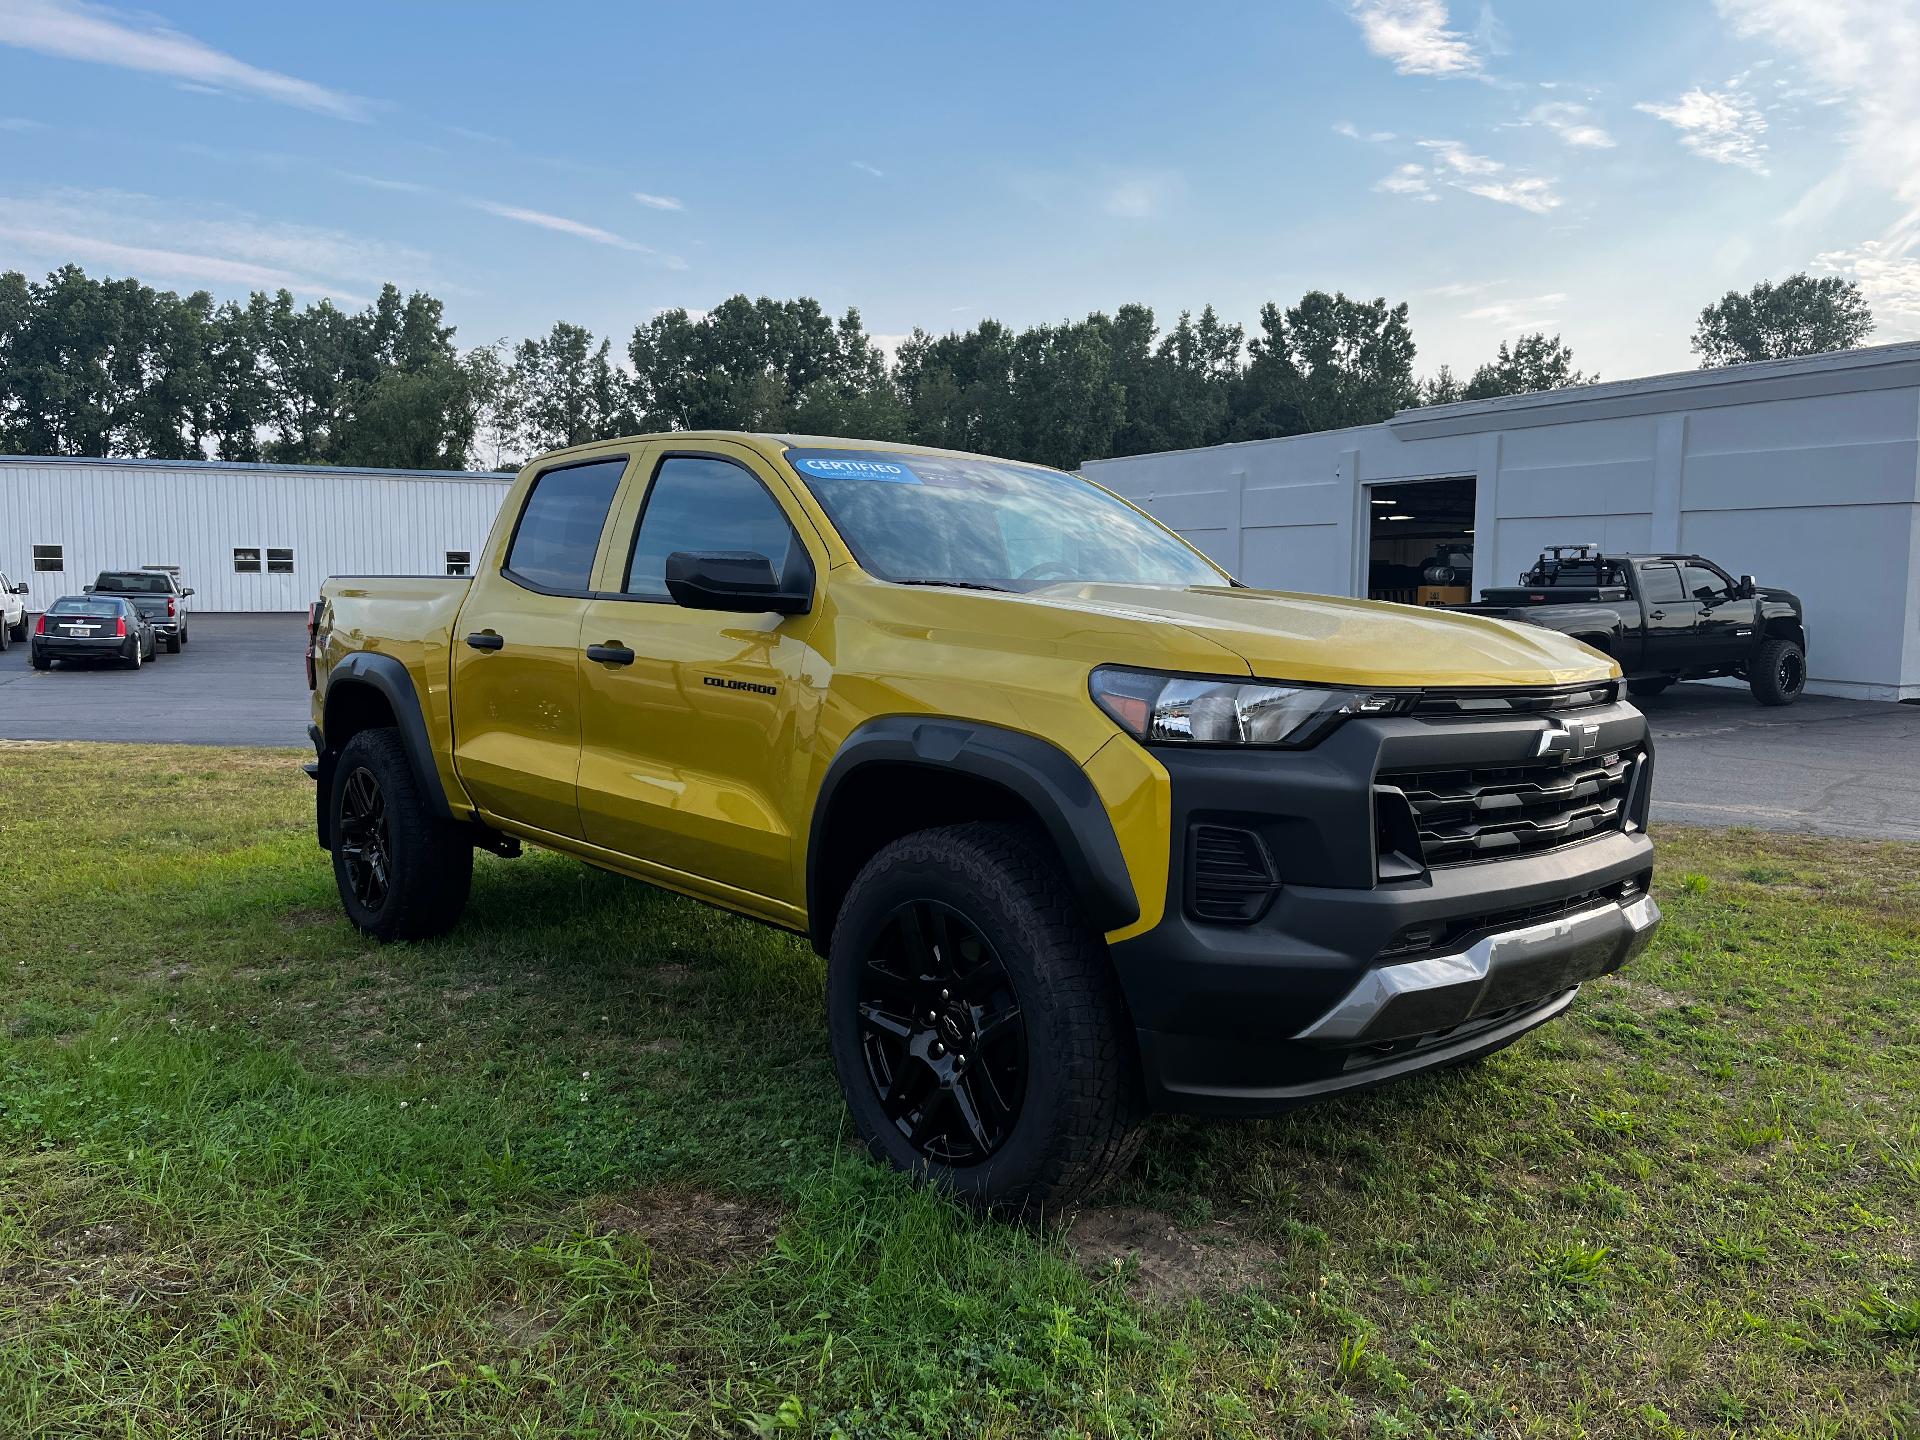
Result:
[1230,878]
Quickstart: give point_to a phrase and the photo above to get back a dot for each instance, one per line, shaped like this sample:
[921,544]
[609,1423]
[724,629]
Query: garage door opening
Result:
[1420,541]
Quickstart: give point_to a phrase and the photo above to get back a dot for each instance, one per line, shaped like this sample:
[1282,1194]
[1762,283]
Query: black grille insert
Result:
[1230,879]
[1492,811]
[1517,702]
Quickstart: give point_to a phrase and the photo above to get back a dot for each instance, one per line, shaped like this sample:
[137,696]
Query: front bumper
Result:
[1358,972]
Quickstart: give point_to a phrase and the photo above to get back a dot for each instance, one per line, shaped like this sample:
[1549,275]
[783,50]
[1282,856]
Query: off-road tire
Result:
[1650,686]
[429,861]
[1778,672]
[1078,1123]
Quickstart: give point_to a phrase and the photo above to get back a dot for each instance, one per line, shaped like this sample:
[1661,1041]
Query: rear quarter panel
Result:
[412,619]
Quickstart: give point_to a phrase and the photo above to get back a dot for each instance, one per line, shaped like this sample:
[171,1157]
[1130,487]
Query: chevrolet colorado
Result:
[1082,826]
[1663,618]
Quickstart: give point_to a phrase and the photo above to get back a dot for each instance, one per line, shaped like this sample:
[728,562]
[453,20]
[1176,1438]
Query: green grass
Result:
[581,1169]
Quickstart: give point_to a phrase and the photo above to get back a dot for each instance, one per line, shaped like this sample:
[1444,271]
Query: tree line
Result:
[116,368]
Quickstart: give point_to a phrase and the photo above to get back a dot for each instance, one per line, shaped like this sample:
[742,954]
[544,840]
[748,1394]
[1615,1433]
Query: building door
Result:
[1420,541]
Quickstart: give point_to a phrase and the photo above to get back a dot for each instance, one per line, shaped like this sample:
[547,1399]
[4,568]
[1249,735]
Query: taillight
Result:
[40,626]
[169,607]
[313,628]
[120,627]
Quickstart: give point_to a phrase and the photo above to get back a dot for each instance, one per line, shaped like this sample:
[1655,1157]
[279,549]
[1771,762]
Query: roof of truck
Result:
[770,441]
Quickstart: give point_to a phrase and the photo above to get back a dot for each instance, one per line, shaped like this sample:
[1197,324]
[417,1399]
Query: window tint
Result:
[1698,577]
[700,504]
[70,606]
[559,529]
[128,583]
[1661,583]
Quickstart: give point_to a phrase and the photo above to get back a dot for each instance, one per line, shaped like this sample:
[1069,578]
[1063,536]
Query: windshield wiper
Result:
[961,585]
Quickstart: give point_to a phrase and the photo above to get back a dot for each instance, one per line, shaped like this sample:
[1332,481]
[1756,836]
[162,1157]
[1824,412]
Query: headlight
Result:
[1200,710]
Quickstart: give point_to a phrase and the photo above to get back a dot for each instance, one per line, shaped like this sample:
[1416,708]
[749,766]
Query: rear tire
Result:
[43,662]
[1650,686]
[174,642]
[403,873]
[975,1022]
[133,661]
[7,637]
[1778,674]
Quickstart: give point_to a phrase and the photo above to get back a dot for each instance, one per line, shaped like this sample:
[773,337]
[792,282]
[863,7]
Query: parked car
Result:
[92,627]
[1082,826]
[156,592]
[13,611]
[1663,618]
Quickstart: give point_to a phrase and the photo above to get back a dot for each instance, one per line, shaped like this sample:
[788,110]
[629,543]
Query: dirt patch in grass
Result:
[692,1227]
[1163,1260]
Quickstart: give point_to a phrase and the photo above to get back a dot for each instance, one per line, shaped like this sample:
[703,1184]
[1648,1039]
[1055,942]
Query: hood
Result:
[1323,639]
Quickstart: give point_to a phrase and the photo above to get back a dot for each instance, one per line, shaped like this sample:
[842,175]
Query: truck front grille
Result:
[1492,812]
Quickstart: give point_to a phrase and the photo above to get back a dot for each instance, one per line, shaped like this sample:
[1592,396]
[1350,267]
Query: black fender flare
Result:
[1035,771]
[388,677]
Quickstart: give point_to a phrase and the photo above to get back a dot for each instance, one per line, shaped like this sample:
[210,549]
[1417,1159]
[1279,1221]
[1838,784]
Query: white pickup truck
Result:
[13,611]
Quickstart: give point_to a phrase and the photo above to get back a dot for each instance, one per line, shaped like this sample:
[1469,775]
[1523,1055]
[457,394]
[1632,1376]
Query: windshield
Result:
[961,520]
[130,583]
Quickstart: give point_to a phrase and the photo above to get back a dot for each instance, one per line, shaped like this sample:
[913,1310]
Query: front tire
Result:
[403,873]
[1778,675]
[975,1022]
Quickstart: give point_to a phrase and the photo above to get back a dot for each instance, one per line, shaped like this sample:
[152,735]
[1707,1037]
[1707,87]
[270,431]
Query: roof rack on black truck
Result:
[1663,617]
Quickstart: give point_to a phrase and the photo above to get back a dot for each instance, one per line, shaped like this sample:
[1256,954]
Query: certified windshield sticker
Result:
[854,467]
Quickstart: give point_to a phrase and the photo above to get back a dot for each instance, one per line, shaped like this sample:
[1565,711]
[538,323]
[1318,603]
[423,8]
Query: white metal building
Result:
[246,537]
[1803,473]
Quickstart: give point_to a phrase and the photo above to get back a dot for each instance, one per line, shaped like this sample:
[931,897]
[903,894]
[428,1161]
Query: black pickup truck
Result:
[1663,618]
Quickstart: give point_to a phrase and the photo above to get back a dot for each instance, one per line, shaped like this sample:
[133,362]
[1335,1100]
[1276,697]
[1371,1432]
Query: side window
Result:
[246,560]
[49,557]
[1661,584]
[1698,578]
[559,530]
[696,503]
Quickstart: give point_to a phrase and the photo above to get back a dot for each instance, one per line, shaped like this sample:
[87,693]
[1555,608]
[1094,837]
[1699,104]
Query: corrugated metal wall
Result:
[107,514]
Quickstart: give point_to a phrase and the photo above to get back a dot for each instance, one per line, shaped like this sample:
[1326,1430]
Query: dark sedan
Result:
[92,627]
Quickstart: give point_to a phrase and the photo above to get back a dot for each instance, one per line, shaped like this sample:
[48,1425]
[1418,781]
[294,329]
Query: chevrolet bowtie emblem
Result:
[1575,741]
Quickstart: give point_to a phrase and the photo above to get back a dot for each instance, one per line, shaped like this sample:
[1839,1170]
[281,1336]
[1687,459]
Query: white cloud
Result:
[874,170]
[1415,36]
[1574,124]
[1530,312]
[20,125]
[1136,197]
[1459,159]
[1354,132]
[1408,180]
[166,242]
[657,202]
[1529,193]
[377,182]
[561,225]
[1724,126]
[1890,276]
[74,30]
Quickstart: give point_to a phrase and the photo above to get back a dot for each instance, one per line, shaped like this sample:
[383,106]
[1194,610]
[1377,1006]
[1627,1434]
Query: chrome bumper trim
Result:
[1395,1002]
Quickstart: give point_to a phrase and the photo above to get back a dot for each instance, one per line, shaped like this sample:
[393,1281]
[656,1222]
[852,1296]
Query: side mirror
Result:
[21,588]
[1706,595]
[735,580]
[186,592]
[86,589]
[1749,587]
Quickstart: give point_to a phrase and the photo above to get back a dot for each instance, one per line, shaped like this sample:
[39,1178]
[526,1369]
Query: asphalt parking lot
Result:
[1823,766]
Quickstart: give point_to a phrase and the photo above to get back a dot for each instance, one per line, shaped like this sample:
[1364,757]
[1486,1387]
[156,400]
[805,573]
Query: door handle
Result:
[1658,615]
[486,640]
[610,654]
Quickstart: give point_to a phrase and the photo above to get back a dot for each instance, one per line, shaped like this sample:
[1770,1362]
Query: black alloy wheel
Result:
[365,842]
[942,1035]
[1791,672]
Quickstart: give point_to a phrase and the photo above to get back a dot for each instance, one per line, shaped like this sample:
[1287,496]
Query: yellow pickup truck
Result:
[1082,826]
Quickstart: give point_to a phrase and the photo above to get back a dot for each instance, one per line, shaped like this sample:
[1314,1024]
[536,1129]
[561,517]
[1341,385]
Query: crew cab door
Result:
[1725,634]
[697,723]
[1671,616]
[516,647]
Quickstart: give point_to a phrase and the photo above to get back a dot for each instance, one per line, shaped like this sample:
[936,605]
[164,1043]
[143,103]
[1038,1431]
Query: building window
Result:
[49,557]
[459,562]
[279,562]
[246,560]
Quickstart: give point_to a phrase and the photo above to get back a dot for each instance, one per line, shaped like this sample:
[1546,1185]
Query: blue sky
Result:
[1602,169]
